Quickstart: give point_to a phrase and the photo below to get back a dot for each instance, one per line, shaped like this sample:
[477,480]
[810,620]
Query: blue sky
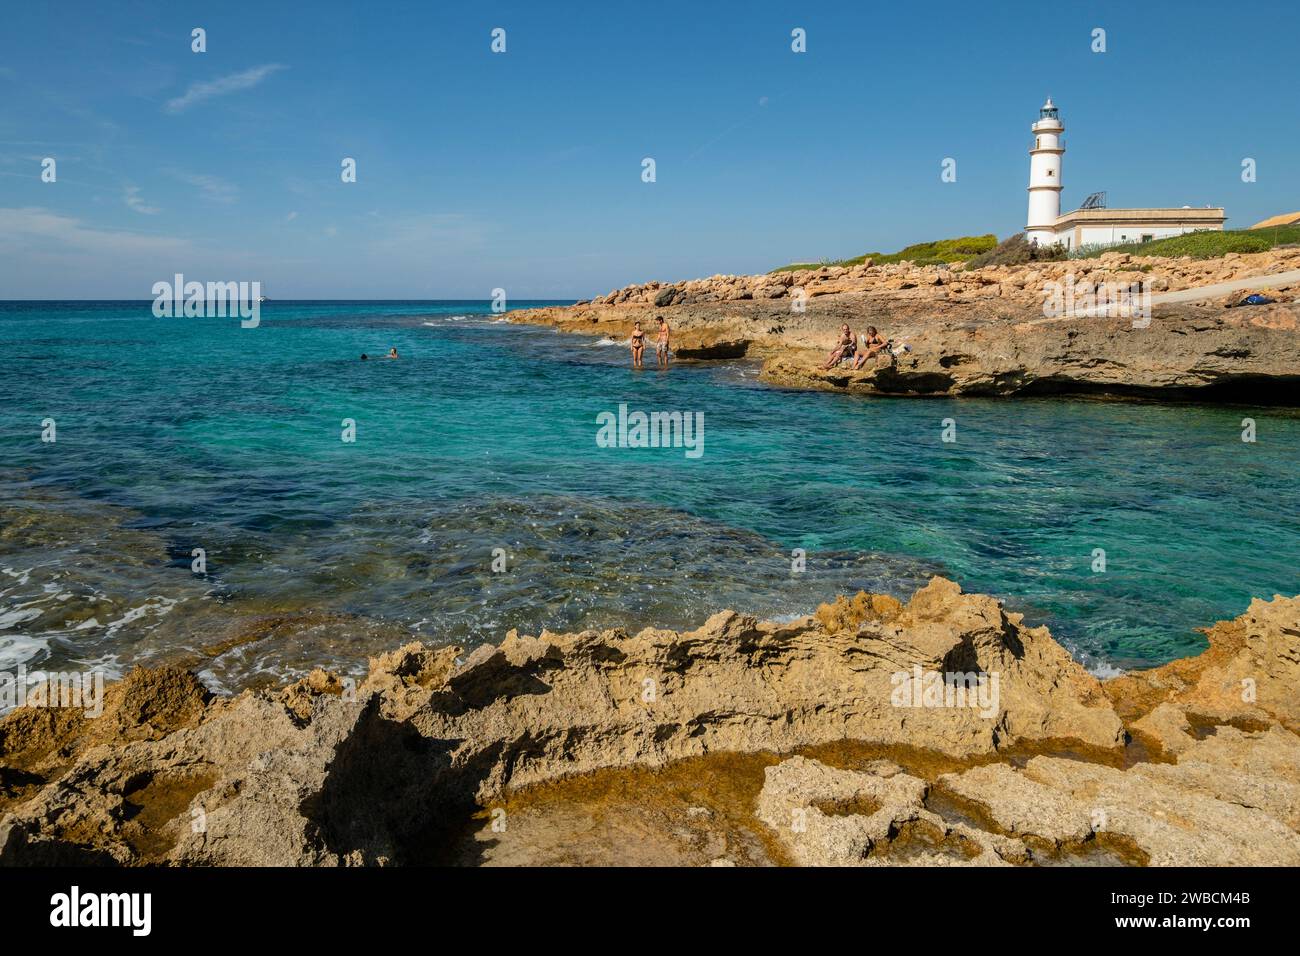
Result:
[522,170]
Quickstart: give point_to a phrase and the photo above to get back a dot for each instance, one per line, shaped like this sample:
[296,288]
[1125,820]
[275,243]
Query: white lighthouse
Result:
[1094,225]
[1045,176]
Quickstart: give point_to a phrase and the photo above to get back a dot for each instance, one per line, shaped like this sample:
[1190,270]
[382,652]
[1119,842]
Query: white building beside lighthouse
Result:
[1093,224]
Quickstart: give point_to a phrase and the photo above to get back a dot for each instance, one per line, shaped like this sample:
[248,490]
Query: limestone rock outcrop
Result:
[955,282]
[327,773]
[983,331]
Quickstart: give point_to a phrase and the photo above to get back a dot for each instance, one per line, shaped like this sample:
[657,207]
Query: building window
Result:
[1051,172]
[1148,236]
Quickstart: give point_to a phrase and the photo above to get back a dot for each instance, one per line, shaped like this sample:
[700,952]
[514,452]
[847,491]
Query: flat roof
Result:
[1147,214]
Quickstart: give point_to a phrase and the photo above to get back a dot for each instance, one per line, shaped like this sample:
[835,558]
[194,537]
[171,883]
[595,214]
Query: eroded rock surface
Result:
[833,817]
[957,282]
[392,771]
[1196,812]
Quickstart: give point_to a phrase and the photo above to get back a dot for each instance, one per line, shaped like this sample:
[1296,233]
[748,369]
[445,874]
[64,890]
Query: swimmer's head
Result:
[364,356]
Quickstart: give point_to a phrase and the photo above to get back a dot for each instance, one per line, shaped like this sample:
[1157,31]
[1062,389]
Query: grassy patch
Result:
[922,253]
[1206,244]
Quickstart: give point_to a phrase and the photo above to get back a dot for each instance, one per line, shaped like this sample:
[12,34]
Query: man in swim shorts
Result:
[845,348]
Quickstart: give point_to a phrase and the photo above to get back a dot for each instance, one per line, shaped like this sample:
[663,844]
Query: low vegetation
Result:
[980,251]
[1206,244]
[1016,251]
[922,254]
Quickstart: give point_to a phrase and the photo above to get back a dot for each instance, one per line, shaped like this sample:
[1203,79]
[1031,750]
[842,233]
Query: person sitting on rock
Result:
[845,348]
[873,344]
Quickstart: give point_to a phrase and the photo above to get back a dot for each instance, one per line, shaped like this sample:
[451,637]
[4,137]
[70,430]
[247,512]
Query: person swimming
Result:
[661,345]
[638,345]
[392,353]
[364,356]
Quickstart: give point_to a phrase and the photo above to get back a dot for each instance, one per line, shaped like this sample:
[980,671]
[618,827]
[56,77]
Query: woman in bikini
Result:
[872,344]
[638,345]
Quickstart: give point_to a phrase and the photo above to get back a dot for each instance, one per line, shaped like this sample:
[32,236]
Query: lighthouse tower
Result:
[1045,176]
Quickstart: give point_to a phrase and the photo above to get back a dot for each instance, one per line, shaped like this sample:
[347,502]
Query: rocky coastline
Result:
[984,332]
[835,739]
[739,743]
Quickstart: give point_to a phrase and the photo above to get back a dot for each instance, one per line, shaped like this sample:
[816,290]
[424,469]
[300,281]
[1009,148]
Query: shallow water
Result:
[176,434]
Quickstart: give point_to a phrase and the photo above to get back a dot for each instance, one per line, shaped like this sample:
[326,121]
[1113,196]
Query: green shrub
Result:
[1017,251]
[944,250]
[1205,244]
[922,253]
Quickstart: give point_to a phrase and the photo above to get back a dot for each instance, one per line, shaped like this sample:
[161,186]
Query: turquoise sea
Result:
[177,434]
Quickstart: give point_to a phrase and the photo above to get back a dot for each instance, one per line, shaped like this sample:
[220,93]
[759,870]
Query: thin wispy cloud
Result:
[131,196]
[27,225]
[198,92]
[211,188]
